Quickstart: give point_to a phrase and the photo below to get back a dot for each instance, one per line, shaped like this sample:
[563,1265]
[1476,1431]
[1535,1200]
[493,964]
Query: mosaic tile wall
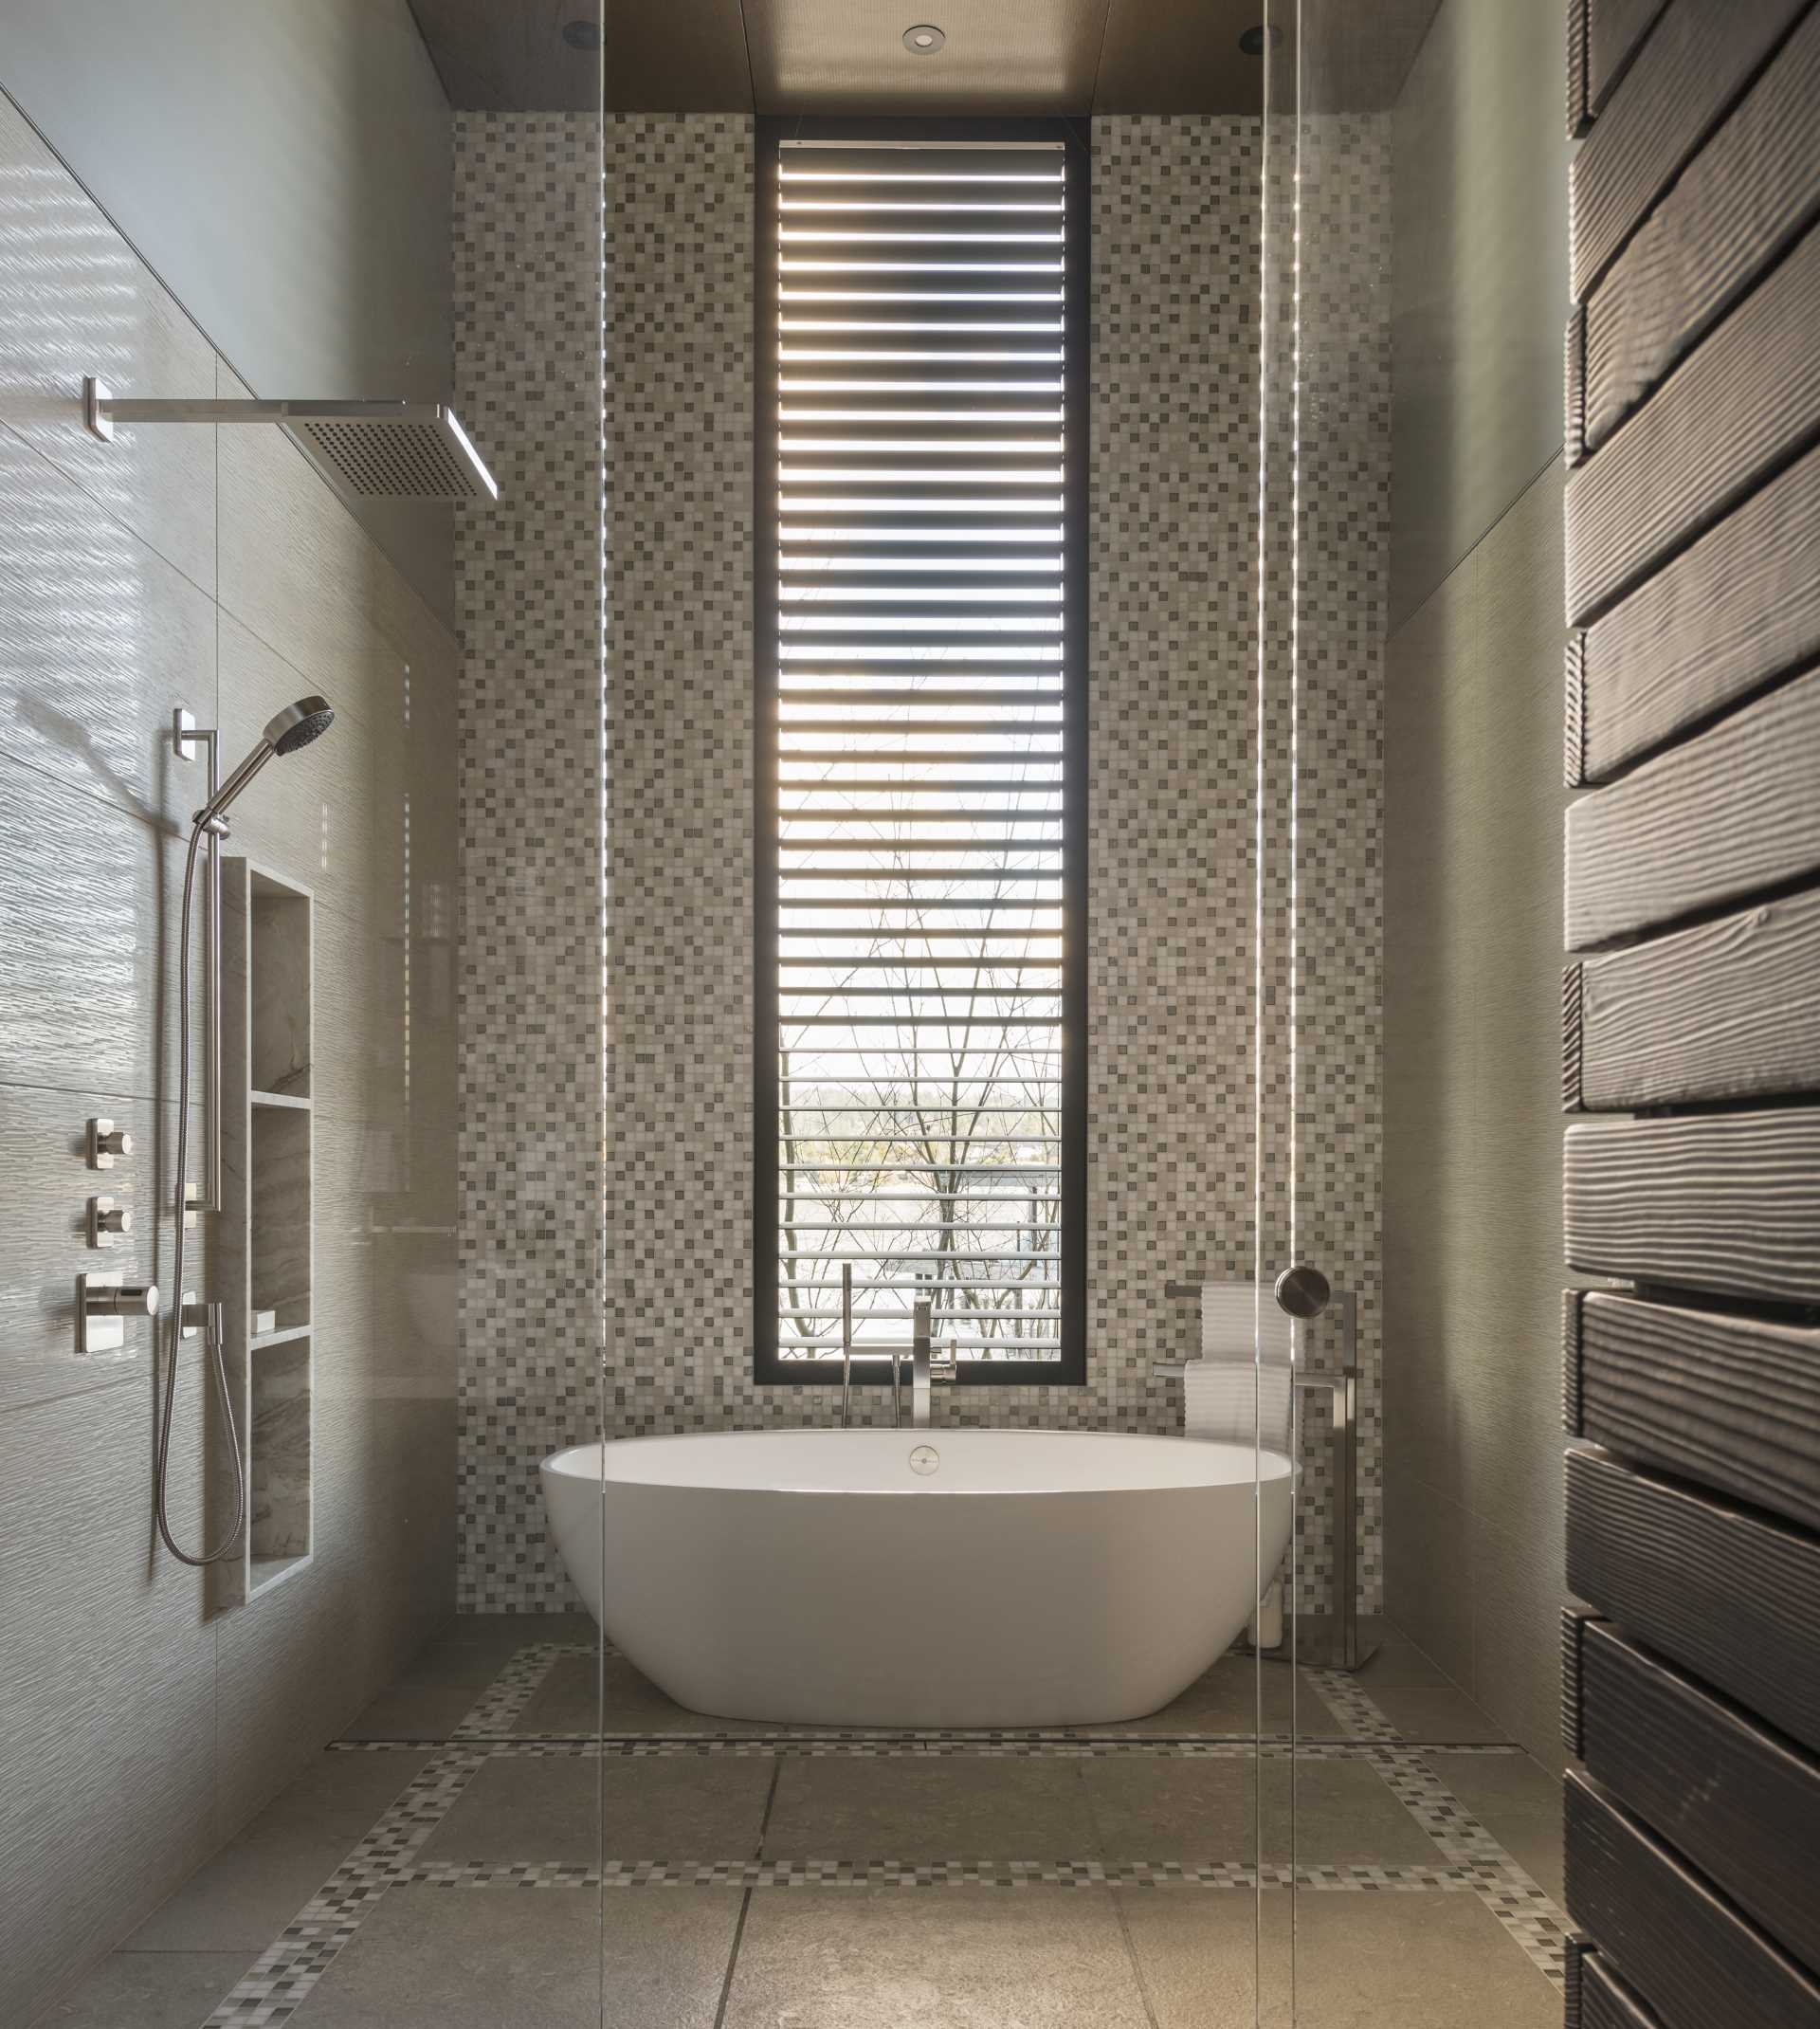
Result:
[527,384]
[680,223]
[1177,215]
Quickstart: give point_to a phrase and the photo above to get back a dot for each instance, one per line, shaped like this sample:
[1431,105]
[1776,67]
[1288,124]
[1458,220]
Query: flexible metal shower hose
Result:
[211,1333]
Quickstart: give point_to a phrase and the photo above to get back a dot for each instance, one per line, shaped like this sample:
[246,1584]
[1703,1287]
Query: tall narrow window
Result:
[921,849]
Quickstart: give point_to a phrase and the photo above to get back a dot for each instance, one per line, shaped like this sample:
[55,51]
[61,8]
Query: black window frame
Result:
[770,1367]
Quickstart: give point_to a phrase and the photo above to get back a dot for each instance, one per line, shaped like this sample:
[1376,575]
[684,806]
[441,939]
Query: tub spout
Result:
[929,1369]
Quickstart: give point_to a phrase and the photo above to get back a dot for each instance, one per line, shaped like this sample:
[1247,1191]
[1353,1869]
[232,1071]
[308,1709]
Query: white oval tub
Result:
[1029,1579]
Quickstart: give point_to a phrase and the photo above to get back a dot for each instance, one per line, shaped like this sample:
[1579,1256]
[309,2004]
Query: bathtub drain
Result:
[925,1458]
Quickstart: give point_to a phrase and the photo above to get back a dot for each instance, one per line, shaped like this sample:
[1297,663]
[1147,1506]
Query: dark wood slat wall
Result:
[1730,1402]
[1737,610]
[1723,1590]
[1601,1999]
[1696,446]
[1612,34]
[1728,1793]
[1675,838]
[1696,58]
[1694,1961]
[1723,1011]
[1691,1012]
[1739,204]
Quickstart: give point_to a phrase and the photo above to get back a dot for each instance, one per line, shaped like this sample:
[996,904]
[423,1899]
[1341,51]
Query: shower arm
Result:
[102,409]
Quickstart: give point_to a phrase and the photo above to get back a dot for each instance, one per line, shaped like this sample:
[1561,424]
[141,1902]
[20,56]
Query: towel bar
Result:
[1343,1648]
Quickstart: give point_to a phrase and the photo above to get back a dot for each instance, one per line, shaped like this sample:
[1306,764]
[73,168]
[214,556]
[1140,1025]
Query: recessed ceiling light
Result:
[582,34]
[923,40]
[1251,41]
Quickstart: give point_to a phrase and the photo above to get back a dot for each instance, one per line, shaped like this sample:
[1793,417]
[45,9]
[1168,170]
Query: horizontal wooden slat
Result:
[1580,112]
[1574,711]
[1614,32]
[1571,1027]
[1731,1402]
[1689,1953]
[1721,1590]
[1605,2002]
[1742,403]
[1574,445]
[1575,1620]
[1734,1799]
[1725,814]
[1744,197]
[1737,609]
[1728,1010]
[1697,58]
[1721,1201]
[1571,1417]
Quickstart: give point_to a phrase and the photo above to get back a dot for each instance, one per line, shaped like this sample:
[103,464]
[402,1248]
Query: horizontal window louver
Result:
[919,863]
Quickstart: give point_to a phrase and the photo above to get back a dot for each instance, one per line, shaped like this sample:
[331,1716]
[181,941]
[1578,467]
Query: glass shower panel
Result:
[1418,1841]
[872,1801]
[299,492]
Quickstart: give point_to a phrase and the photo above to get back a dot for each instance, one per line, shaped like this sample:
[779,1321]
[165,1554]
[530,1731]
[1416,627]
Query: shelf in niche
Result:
[263,1573]
[265,1244]
[280,1337]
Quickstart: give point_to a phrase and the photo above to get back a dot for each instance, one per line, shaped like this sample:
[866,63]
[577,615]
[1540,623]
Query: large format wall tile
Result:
[89,905]
[1472,1058]
[1481,288]
[76,299]
[315,817]
[101,642]
[44,1187]
[302,574]
[137,1730]
[107,1697]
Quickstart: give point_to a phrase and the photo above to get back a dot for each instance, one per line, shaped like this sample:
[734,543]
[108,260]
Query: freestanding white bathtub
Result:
[897,1578]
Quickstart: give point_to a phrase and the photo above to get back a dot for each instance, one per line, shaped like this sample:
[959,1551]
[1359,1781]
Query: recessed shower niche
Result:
[265,1243]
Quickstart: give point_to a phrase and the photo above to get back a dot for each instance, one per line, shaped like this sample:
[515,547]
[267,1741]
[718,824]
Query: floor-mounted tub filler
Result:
[896,1578]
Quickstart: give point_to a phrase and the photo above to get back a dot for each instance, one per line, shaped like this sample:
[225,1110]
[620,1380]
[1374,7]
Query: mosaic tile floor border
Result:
[884,1746]
[934,1873]
[283,1976]
[1357,1712]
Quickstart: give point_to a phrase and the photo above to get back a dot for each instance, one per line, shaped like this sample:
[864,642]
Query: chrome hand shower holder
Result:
[186,735]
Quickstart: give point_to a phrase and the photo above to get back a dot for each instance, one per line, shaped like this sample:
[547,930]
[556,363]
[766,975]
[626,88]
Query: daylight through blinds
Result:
[922,654]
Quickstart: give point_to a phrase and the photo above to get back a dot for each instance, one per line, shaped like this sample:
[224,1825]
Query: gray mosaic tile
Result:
[1181,1183]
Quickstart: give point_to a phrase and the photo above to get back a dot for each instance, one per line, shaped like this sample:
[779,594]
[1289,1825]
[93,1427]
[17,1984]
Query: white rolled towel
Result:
[1228,1395]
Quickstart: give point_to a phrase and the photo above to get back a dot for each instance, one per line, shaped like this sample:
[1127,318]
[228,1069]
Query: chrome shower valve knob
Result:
[104,1303]
[106,1142]
[106,1220]
[123,1300]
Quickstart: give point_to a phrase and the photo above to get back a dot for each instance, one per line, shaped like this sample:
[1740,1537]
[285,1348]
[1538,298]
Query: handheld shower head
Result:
[295,726]
[299,723]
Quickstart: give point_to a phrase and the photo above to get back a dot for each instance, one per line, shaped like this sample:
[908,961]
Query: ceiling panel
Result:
[661,56]
[1002,56]
[848,56]
[1162,56]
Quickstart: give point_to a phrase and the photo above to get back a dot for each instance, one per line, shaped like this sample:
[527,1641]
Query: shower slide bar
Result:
[1332,1640]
